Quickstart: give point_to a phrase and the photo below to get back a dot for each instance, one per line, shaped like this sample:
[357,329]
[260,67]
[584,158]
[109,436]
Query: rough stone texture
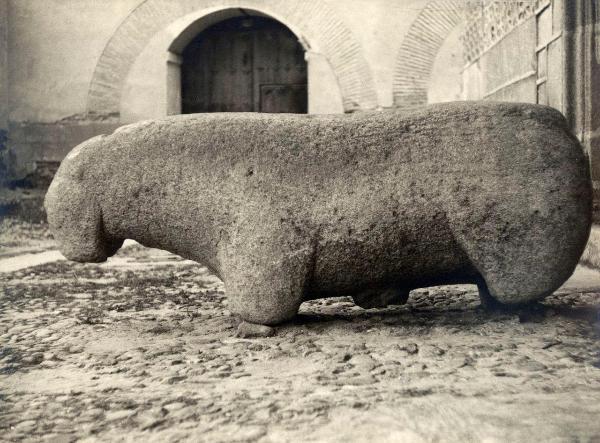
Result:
[286,208]
[251,330]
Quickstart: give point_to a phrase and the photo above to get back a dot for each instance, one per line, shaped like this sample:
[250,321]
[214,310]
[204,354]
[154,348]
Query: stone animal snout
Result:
[76,220]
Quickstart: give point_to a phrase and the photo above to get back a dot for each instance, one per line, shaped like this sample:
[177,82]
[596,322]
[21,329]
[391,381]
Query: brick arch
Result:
[419,49]
[315,21]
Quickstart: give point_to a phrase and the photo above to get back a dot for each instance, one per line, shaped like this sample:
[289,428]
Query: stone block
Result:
[287,208]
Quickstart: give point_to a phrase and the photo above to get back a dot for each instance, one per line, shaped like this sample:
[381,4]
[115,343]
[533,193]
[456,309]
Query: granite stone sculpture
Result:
[287,208]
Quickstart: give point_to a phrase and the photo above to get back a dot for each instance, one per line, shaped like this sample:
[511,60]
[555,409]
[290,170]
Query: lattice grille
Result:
[487,21]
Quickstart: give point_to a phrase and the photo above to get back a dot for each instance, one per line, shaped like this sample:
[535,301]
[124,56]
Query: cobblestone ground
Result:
[143,348]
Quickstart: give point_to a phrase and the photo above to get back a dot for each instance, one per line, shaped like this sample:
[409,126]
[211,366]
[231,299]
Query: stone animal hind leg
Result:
[520,253]
[511,272]
[265,281]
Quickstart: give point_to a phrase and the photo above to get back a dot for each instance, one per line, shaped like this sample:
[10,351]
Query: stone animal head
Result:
[74,215]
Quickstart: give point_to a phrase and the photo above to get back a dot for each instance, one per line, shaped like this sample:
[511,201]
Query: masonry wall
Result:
[76,68]
[592,138]
[3,89]
[514,52]
[581,37]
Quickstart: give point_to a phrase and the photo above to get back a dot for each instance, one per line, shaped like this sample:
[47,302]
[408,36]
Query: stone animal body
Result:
[286,208]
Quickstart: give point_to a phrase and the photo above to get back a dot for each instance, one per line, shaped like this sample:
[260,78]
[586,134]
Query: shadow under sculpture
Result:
[287,208]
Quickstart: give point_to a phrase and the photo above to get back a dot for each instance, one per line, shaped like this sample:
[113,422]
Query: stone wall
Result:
[32,142]
[3,90]
[513,51]
[582,77]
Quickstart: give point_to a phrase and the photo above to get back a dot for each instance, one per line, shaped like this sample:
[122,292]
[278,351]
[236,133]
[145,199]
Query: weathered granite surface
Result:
[286,208]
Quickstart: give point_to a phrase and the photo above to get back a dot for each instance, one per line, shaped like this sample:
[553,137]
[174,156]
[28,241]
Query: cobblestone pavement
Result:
[143,348]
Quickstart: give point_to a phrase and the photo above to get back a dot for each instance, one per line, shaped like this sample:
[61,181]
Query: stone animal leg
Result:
[265,280]
[377,298]
[511,276]
[522,253]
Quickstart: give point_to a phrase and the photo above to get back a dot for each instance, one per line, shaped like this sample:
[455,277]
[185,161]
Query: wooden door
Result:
[251,64]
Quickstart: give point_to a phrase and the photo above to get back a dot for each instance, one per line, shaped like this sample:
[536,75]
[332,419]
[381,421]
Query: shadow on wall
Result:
[446,82]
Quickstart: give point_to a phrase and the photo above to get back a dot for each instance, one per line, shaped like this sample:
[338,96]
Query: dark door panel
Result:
[283,98]
[244,64]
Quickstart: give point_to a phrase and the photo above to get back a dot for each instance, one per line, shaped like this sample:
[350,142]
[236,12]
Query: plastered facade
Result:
[79,67]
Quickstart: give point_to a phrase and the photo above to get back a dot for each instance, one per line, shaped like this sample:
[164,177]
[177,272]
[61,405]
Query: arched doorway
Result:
[244,64]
